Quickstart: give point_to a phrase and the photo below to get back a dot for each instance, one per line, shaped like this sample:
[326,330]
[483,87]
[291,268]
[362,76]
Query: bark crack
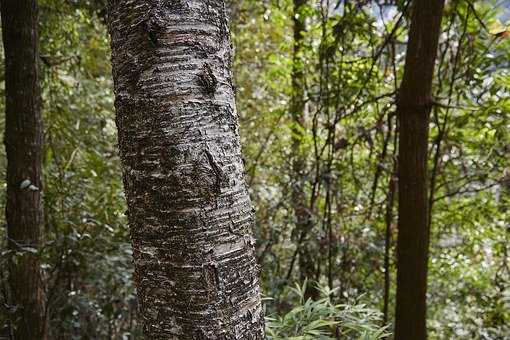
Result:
[216,168]
[208,80]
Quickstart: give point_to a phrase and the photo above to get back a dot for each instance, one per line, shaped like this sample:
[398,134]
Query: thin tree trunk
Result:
[189,210]
[297,111]
[23,143]
[388,218]
[387,249]
[413,107]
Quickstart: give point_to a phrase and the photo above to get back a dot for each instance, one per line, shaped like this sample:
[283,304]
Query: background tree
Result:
[188,206]
[414,104]
[300,201]
[24,149]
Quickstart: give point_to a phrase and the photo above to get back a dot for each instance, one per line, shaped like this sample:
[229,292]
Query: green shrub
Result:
[323,319]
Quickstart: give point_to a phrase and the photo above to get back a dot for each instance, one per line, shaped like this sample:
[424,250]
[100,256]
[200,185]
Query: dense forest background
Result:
[350,66]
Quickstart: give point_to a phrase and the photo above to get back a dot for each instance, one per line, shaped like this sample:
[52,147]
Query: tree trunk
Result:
[413,107]
[387,248]
[23,143]
[388,218]
[189,210]
[297,110]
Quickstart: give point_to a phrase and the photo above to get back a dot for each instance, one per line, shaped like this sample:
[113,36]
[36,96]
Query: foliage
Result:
[322,319]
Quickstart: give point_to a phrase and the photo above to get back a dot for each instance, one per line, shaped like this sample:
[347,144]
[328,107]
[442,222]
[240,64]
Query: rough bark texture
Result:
[413,107]
[23,143]
[189,210]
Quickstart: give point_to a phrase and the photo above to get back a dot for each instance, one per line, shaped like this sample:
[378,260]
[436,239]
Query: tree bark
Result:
[413,107]
[189,210]
[23,143]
